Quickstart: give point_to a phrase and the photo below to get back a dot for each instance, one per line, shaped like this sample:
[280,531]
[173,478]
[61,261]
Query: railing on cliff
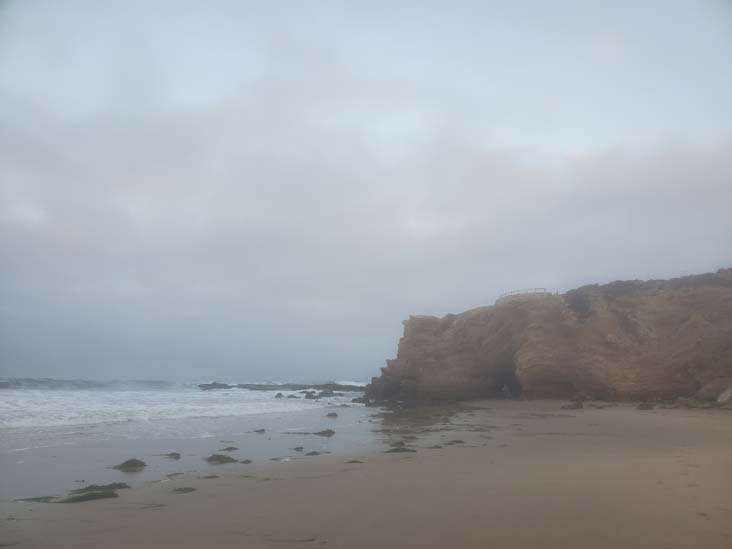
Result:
[522,293]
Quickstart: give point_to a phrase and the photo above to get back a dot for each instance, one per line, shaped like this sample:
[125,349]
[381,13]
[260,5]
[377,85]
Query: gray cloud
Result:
[182,196]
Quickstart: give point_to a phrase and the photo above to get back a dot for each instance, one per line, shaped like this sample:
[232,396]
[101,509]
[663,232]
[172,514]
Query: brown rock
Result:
[630,340]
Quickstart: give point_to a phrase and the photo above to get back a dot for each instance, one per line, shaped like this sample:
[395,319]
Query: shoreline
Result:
[509,474]
[54,460]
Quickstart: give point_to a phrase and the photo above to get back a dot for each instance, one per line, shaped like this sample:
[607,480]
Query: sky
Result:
[264,190]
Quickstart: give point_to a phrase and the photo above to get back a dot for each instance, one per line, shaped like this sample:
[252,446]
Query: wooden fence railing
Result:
[527,291]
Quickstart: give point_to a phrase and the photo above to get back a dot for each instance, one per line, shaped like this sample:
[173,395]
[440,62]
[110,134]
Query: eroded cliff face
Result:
[621,341]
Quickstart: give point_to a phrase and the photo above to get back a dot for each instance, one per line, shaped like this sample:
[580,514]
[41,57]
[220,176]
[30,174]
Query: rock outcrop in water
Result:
[629,340]
[326,389]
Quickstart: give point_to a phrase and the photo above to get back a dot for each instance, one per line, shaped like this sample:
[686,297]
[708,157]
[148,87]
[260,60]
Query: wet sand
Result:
[506,474]
[55,460]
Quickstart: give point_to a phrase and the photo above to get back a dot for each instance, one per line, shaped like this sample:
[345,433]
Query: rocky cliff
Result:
[629,340]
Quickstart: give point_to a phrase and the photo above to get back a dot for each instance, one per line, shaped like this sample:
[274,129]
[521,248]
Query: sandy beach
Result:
[485,474]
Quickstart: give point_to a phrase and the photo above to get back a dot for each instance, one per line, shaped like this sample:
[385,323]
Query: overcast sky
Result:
[252,191]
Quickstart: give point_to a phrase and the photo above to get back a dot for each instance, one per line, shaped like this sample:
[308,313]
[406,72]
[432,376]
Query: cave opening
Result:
[507,382]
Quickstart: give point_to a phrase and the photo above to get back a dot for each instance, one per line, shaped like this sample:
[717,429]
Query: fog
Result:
[254,191]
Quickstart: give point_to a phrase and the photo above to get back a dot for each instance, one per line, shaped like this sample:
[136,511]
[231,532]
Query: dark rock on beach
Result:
[100,488]
[331,415]
[131,466]
[40,499]
[228,449]
[183,490]
[220,459]
[89,496]
[279,395]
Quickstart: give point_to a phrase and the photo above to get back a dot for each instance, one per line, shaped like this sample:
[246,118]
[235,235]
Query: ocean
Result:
[57,434]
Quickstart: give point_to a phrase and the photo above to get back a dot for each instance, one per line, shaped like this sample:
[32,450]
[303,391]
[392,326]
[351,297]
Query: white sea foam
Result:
[20,408]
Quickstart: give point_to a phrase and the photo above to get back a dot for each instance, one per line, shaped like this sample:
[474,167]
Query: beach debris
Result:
[208,477]
[259,431]
[246,461]
[331,415]
[354,461]
[644,406]
[399,450]
[279,395]
[219,459]
[576,405]
[292,396]
[183,490]
[228,449]
[454,441]
[299,448]
[313,453]
[131,466]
